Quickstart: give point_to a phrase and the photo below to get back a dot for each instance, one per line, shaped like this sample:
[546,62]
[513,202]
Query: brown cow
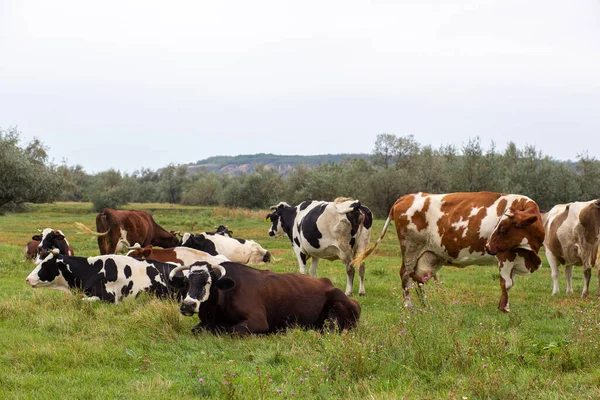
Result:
[120,229]
[31,248]
[463,229]
[572,239]
[234,298]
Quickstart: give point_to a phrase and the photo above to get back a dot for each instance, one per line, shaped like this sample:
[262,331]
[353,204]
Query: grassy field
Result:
[458,346]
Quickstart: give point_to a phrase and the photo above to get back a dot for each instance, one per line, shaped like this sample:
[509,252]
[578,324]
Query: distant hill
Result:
[235,165]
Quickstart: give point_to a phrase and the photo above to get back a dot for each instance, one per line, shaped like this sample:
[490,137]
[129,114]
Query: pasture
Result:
[457,346]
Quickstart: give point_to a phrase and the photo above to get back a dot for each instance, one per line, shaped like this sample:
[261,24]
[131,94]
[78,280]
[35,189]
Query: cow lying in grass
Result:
[237,250]
[179,255]
[234,298]
[108,278]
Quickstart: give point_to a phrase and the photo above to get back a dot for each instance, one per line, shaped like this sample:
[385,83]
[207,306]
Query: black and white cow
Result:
[52,239]
[338,230]
[237,250]
[109,278]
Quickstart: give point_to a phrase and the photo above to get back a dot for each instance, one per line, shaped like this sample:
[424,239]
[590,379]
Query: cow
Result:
[338,230]
[109,278]
[52,239]
[236,250]
[234,298]
[120,229]
[46,240]
[572,232]
[179,255]
[31,248]
[463,229]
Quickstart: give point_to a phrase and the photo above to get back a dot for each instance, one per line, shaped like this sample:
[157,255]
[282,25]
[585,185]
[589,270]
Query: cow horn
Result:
[135,246]
[40,230]
[220,268]
[176,270]
[510,215]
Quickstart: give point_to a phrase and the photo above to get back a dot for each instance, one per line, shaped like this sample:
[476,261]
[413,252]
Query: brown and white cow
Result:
[572,232]
[462,229]
[180,255]
[120,229]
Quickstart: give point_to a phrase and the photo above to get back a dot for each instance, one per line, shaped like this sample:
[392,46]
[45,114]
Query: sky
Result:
[143,84]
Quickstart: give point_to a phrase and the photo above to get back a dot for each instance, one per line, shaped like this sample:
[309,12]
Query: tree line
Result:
[398,165]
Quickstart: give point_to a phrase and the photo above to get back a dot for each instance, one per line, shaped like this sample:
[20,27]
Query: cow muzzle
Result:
[489,250]
[267,257]
[271,233]
[188,308]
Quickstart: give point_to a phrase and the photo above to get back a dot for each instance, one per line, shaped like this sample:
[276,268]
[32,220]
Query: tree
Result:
[26,175]
[109,190]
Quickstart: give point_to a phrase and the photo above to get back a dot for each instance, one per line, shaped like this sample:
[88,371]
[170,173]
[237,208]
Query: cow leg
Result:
[554,268]
[568,276]
[361,274]
[587,274]
[349,278]
[405,284]
[313,267]
[599,281]
[256,324]
[301,260]
[506,282]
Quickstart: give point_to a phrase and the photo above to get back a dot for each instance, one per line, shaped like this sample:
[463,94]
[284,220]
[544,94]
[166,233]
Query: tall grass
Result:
[453,344]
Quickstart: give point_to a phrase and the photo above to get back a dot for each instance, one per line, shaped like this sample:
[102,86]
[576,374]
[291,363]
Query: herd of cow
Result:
[207,272]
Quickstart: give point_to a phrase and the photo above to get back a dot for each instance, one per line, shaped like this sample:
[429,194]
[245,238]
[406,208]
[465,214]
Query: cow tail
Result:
[87,231]
[362,256]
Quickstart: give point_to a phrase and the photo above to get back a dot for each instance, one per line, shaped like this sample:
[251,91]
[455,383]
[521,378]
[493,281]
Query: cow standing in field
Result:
[572,232]
[120,229]
[463,229]
[237,250]
[338,230]
[234,298]
[108,278]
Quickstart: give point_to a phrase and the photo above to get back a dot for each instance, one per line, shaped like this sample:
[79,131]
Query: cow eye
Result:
[502,229]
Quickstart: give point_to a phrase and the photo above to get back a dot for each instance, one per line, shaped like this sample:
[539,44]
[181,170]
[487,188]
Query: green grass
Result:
[459,345]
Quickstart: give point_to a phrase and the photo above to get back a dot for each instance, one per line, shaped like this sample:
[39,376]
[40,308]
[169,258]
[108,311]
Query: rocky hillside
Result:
[235,165]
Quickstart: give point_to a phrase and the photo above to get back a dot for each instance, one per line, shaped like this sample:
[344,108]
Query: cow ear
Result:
[597,203]
[225,283]
[527,221]
[146,253]
[37,237]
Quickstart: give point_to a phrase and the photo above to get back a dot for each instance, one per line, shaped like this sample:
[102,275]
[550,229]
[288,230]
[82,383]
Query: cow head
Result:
[202,280]
[49,274]
[276,219]
[224,231]
[193,241]
[517,229]
[51,239]
[174,240]
[137,251]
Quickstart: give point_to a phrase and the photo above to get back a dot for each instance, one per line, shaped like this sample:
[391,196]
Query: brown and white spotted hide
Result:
[572,239]
[463,229]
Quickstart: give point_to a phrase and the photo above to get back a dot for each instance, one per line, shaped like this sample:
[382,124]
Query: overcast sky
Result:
[132,84]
